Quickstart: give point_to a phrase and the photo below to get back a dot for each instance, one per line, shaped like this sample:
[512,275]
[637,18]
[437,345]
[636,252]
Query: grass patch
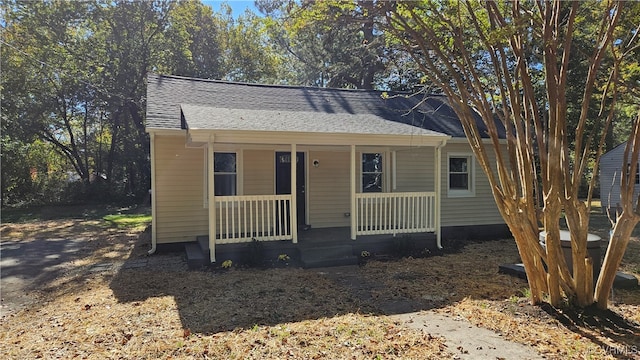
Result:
[58,212]
[128,220]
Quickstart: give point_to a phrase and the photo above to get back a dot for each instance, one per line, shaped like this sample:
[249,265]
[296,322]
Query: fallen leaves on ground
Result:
[164,311]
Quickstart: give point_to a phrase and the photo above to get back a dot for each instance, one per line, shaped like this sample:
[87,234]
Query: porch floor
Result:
[315,248]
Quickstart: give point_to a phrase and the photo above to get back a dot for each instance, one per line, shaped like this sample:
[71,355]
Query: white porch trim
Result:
[294,194]
[395,213]
[211,201]
[438,189]
[154,201]
[353,214]
[249,217]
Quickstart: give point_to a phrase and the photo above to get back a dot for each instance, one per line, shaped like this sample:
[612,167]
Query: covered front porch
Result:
[294,215]
[368,175]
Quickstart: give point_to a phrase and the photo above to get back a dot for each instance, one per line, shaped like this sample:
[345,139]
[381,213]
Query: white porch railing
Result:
[395,213]
[260,217]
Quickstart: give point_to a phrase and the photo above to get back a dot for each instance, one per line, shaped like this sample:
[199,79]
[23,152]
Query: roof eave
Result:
[312,138]
[165,131]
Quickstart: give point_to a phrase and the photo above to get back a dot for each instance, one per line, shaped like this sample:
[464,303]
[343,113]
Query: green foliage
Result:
[53,212]
[135,221]
[73,120]
[249,56]
[74,90]
[329,43]
[193,41]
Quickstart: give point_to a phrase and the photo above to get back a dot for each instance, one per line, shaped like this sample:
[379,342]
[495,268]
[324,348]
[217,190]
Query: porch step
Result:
[196,258]
[327,256]
[203,241]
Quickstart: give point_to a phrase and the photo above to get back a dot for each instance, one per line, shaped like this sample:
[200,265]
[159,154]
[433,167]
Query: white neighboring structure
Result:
[611,167]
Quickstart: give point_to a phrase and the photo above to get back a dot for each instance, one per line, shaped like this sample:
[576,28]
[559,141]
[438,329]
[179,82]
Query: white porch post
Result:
[438,191]
[352,187]
[294,193]
[211,200]
[394,171]
[154,212]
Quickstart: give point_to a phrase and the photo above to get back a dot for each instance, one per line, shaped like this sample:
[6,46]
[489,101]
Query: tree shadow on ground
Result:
[594,324]
[39,261]
[211,302]
[40,257]
[36,254]
[215,300]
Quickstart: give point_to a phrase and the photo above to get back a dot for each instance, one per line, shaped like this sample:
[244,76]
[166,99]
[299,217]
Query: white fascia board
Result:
[280,138]
[164,131]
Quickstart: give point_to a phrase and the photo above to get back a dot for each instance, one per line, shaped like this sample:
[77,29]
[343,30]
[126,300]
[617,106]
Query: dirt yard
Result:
[109,299]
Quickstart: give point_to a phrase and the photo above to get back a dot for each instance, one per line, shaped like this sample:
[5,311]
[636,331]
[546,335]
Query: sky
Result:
[237,6]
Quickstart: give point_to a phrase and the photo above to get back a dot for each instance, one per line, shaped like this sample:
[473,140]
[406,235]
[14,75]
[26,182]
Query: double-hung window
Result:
[225,174]
[372,172]
[461,175]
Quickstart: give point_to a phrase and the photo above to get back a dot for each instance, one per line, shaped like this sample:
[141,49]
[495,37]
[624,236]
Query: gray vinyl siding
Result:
[611,165]
[415,170]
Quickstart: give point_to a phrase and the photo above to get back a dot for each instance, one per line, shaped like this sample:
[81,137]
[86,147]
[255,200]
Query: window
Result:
[461,175]
[372,172]
[224,173]
[637,179]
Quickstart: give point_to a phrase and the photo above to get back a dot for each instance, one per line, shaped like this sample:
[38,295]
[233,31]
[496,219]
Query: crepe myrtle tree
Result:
[510,63]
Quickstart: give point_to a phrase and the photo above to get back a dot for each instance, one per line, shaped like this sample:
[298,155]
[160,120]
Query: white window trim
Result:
[386,172]
[239,174]
[471,192]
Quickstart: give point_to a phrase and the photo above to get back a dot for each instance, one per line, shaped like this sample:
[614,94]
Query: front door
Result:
[283,181]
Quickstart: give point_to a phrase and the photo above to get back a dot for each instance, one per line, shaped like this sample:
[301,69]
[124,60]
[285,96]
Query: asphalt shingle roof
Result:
[213,104]
[204,117]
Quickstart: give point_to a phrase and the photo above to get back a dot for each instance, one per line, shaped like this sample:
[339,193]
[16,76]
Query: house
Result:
[611,164]
[225,157]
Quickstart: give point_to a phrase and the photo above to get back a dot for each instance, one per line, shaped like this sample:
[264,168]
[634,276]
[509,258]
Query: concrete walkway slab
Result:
[465,340]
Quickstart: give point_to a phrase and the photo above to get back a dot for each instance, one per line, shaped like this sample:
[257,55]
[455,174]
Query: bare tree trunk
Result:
[537,171]
[625,224]
[525,238]
[626,220]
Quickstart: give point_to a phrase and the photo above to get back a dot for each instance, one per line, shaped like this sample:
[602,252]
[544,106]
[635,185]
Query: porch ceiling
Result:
[303,127]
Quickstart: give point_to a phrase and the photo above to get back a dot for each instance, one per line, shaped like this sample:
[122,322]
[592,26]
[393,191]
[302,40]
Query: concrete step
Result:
[203,241]
[196,258]
[314,257]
